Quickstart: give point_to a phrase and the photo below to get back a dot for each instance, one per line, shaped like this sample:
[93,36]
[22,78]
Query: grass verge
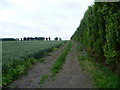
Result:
[102,77]
[60,60]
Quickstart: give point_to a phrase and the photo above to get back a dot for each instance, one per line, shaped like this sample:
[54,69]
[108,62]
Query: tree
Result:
[60,39]
[49,38]
[24,38]
[56,38]
[46,39]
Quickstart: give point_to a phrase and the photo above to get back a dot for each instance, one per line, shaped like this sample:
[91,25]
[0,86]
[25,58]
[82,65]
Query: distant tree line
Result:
[9,39]
[29,39]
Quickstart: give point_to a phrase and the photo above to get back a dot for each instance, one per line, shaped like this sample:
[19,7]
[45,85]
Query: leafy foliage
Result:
[101,76]
[99,32]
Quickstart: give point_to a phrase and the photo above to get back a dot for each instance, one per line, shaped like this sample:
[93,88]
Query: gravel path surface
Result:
[32,79]
[71,76]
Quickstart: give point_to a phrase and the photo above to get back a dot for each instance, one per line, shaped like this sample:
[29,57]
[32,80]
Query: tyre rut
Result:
[71,75]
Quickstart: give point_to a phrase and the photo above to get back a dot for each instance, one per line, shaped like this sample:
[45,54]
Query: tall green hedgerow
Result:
[99,32]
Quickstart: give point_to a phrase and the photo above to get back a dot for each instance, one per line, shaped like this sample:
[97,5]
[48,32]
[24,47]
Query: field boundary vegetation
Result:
[101,75]
[17,67]
[99,36]
[99,33]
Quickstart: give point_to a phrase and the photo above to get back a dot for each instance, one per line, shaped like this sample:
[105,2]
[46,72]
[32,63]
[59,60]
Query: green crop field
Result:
[17,49]
[18,56]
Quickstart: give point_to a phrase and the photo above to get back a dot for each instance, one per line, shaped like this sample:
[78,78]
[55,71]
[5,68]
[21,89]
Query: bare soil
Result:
[71,75]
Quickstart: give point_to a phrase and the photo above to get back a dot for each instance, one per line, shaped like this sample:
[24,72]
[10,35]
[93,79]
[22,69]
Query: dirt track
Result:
[71,76]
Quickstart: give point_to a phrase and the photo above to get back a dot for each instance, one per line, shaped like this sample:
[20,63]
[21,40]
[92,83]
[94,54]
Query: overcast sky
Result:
[41,18]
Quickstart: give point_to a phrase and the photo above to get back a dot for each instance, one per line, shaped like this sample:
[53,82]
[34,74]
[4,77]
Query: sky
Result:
[41,18]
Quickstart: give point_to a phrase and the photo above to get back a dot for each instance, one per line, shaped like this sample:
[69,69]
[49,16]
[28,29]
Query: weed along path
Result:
[32,78]
[70,76]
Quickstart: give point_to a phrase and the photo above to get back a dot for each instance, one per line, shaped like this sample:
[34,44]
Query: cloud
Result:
[41,17]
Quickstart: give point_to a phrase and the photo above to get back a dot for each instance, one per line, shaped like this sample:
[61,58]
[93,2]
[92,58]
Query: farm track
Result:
[32,78]
[71,76]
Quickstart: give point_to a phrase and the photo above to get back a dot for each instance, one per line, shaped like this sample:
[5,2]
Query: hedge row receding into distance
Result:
[99,32]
